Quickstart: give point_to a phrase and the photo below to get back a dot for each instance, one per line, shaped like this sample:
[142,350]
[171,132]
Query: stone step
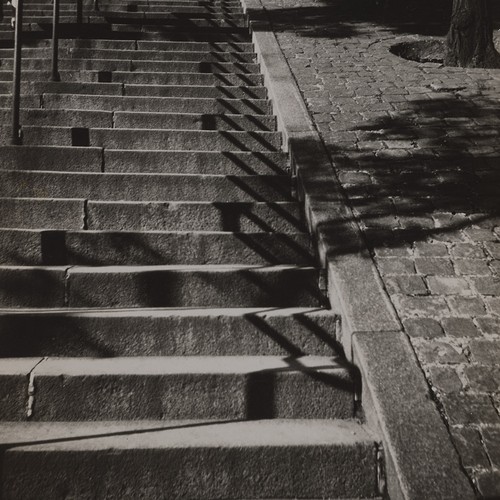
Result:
[45,53]
[171,3]
[106,248]
[189,459]
[142,77]
[192,121]
[154,104]
[119,89]
[123,119]
[203,32]
[27,101]
[174,15]
[284,217]
[66,9]
[159,286]
[54,117]
[76,214]
[152,21]
[87,159]
[198,387]
[169,332]
[145,45]
[204,140]
[137,65]
[144,187]
[35,32]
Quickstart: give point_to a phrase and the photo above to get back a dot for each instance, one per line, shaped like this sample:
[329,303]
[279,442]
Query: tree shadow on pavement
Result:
[425,173]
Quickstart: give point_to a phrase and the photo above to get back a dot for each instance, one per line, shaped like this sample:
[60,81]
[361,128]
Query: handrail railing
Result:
[16,138]
[16,77]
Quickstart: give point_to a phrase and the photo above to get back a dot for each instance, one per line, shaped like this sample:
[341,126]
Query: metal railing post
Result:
[16,77]
[55,42]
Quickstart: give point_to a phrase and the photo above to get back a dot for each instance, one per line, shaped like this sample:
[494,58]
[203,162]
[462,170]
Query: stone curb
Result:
[420,459]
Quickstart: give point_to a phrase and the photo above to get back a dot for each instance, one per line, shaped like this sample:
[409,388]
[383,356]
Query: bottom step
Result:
[188,459]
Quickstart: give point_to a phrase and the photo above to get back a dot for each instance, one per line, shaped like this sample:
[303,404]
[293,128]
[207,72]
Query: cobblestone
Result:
[416,148]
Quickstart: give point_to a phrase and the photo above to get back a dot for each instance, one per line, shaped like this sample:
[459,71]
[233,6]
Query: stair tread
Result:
[181,434]
[159,312]
[170,365]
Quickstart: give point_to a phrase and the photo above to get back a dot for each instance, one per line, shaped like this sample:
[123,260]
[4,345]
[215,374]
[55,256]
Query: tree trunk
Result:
[470,39]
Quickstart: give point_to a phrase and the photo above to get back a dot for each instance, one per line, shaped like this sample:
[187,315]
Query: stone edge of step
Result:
[395,392]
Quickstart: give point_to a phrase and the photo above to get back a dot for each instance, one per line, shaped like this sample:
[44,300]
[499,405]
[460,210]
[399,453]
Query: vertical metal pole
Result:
[16,77]
[55,42]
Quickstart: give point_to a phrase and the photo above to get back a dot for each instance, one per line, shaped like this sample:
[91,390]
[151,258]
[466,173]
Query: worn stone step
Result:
[169,332]
[190,459]
[54,117]
[45,53]
[138,65]
[27,101]
[203,162]
[215,92]
[160,286]
[32,213]
[199,387]
[87,159]
[204,140]
[190,121]
[284,217]
[105,248]
[144,187]
[135,10]
[41,87]
[156,104]
[145,45]
[142,77]
[154,20]
[204,33]
[66,214]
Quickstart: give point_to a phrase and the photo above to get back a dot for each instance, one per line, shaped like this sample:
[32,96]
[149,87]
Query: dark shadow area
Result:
[342,19]
[422,174]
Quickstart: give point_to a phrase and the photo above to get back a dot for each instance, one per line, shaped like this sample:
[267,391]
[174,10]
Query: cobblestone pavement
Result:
[417,149]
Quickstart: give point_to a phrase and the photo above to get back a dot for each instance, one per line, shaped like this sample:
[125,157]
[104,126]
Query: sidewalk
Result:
[417,149]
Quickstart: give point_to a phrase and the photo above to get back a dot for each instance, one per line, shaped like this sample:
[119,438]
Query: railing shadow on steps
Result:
[18,5]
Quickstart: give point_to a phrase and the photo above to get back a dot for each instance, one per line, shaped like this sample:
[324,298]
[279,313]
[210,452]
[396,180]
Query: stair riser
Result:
[100,88]
[284,218]
[88,248]
[130,55]
[156,104]
[108,119]
[146,187]
[149,45]
[194,473]
[256,287]
[100,336]
[154,22]
[77,214]
[129,65]
[318,394]
[87,159]
[151,78]
[252,288]
[225,163]
[194,122]
[153,139]
[73,118]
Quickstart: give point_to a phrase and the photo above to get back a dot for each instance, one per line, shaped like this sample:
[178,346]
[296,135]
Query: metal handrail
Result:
[16,138]
[16,77]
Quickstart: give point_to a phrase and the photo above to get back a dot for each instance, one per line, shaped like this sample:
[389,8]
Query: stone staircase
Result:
[163,330]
